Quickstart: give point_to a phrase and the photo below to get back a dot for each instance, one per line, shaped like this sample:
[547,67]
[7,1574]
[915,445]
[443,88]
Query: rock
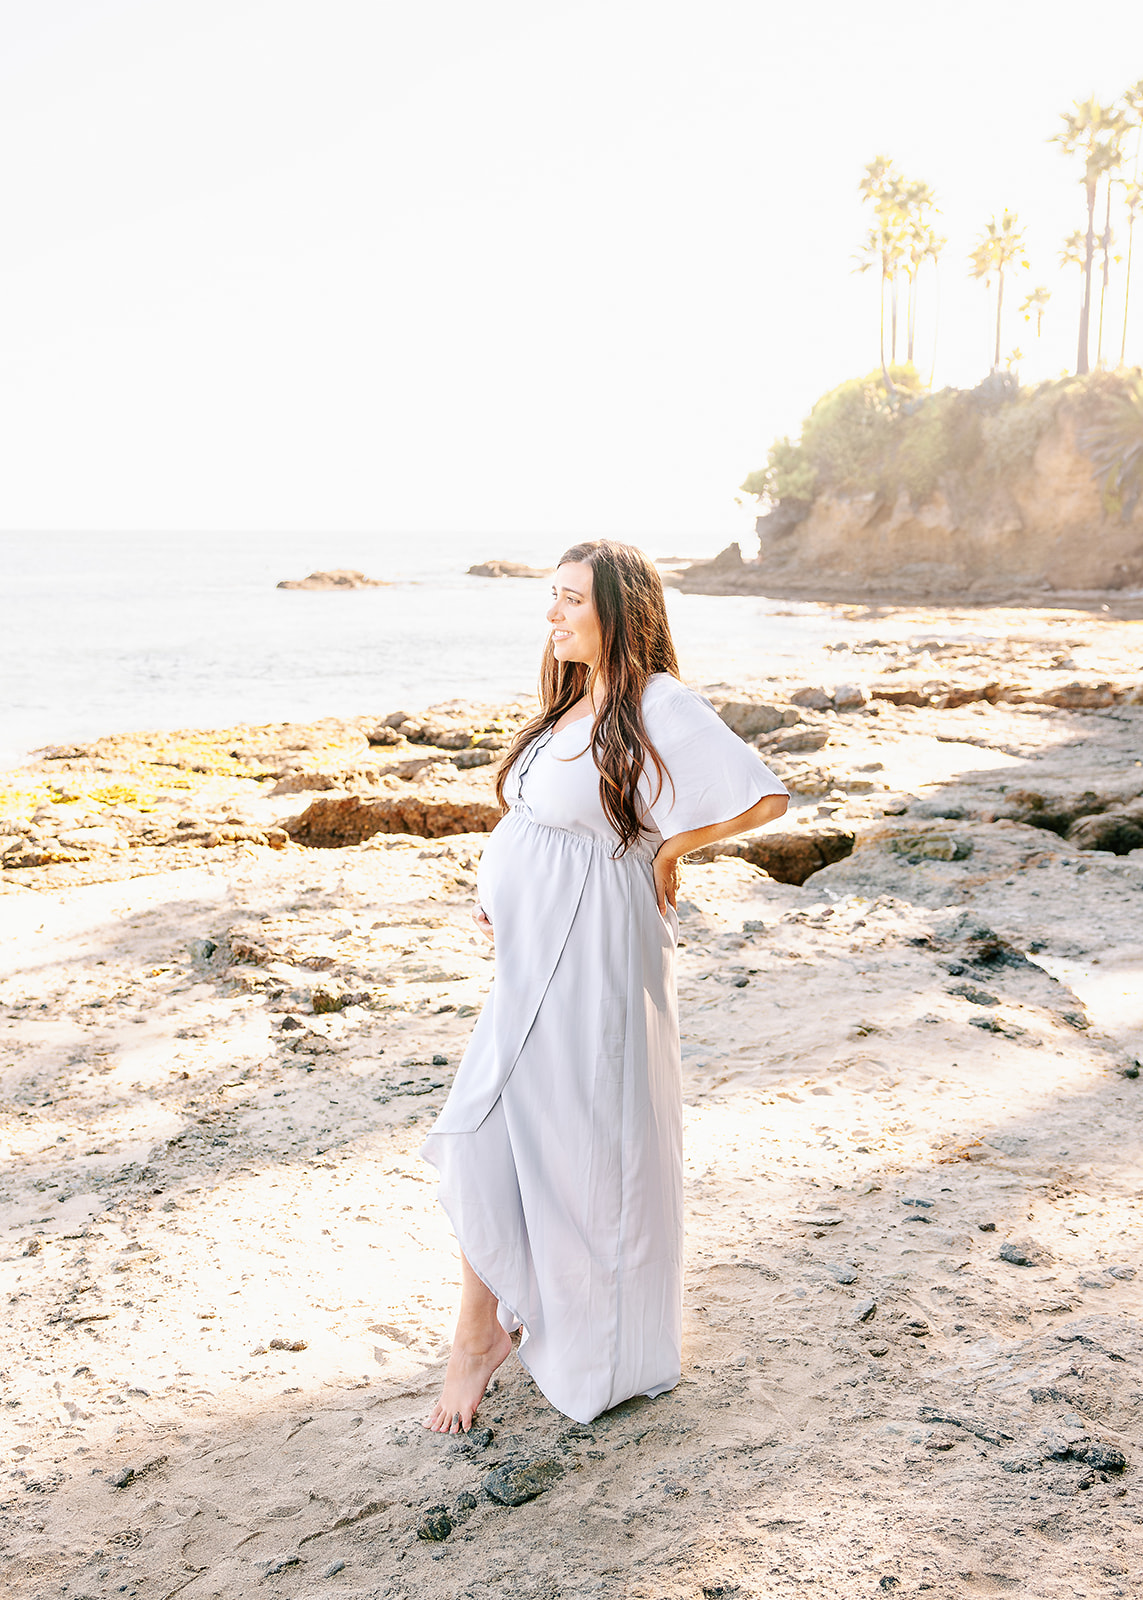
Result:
[336,578]
[812,698]
[347,820]
[864,1310]
[333,1569]
[514,1483]
[815,1219]
[291,1024]
[786,857]
[1024,1253]
[1102,1457]
[473,758]
[435,1525]
[280,1564]
[1124,1273]
[931,845]
[465,1501]
[202,949]
[1010,1030]
[384,735]
[750,718]
[288,1344]
[878,1349]
[800,739]
[850,697]
[507,569]
[916,1327]
[986,1227]
[841,1271]
[970,992]
[1110,830]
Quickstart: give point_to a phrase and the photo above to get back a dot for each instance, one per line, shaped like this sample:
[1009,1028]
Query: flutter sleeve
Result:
[710,774]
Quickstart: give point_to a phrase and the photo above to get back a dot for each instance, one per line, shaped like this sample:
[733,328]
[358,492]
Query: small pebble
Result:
[333,1569]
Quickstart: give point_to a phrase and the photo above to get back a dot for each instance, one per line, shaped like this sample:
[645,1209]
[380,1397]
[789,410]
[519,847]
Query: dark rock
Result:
[927,1205]
[435,1525]
[787,857]
[841,1271]
[289,1024]
[1102,1457]
[515,1482]
[202,949]
[1124,1273]
[281,1564]
[1074,1019]
[1113,830]
[864,1310]
[465,1501]
[720,1591]
[1024,1253]
[916,1328]
[288,1344]
[994,1025]
[334,1568]
[970,992]
[986,1227]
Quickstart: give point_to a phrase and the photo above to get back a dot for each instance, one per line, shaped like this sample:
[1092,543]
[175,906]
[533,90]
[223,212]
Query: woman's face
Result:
[575,627]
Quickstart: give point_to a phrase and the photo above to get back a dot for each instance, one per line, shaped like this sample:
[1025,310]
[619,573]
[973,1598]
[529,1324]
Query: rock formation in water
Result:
[336,578]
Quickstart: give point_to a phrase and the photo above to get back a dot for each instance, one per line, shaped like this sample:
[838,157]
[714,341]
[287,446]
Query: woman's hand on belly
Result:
[482,921]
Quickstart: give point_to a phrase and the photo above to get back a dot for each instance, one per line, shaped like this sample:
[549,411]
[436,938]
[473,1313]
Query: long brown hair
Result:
[627,593]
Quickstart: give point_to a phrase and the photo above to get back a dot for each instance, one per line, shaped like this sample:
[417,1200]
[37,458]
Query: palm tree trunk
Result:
[912,312]
[999,311]
[1082,364]
[1126,287]
[893,321]
[1103,282]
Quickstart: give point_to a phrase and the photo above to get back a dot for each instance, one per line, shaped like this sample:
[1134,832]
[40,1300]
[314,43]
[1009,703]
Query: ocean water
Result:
[103,633]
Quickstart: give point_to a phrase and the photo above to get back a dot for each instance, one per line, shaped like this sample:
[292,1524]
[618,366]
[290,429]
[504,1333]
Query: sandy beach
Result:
[913,1357]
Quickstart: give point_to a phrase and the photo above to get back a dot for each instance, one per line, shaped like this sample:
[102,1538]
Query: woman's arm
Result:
[666,862]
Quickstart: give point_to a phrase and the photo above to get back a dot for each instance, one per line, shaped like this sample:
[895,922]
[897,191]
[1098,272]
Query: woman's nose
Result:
[553,611]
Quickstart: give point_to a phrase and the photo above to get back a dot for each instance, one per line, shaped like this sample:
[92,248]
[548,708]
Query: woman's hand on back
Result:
[482,921]
[666,869]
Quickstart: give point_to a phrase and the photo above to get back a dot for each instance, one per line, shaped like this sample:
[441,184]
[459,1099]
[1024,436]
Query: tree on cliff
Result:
[1095,133]
[900,241]
[999,249]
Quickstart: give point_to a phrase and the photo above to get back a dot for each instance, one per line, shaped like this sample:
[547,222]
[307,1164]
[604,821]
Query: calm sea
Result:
[104,633]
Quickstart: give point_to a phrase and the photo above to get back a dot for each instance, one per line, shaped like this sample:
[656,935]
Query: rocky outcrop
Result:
[351,819]
[1040,530]
[507,569]
[787,857]
[336,578]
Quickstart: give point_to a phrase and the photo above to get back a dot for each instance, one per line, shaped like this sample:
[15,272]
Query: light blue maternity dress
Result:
[560,1145]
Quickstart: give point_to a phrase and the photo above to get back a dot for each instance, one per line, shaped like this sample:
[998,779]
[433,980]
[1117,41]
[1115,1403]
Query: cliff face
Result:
[1042,528]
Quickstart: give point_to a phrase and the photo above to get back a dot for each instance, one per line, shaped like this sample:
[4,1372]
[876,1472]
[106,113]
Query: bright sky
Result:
[504,267]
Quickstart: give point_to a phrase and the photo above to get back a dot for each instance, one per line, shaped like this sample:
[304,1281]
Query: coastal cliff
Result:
[958,496]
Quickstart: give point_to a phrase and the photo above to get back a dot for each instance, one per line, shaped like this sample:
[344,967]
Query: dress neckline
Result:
[587,717]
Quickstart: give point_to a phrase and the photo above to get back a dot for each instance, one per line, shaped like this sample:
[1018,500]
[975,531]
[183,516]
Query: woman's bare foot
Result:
[478,1349]
[470,1367]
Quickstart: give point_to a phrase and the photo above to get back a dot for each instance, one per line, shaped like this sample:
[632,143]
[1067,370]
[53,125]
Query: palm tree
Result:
[1095,132]
[1133,106]
[921,243]
[901,241]
[1034,304]
[1000,247]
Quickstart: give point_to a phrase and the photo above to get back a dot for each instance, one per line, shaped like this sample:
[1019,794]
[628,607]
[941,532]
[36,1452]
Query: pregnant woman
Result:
[560,1146]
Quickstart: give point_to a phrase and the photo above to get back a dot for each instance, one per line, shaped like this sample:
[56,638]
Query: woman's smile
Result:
[571,600]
